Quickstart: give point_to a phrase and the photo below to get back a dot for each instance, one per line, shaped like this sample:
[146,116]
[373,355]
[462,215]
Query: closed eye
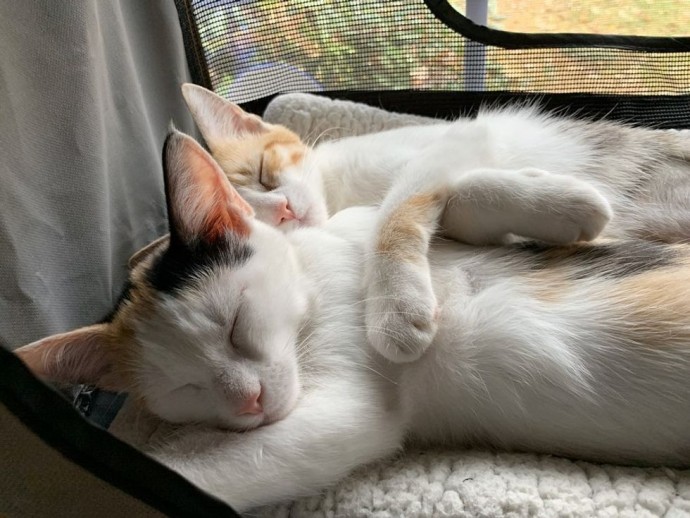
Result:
[239,341]
[233,342]
[262,179]
[188,388]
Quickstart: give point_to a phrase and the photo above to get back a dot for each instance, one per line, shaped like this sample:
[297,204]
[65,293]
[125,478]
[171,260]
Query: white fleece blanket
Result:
[454,483]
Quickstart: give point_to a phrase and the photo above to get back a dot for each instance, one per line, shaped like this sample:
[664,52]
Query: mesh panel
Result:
[640,17]
[255,48]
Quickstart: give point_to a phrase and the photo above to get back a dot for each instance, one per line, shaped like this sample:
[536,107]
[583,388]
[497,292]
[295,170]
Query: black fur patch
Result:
[179,264]
[184,260]
[619,259]
[124,297]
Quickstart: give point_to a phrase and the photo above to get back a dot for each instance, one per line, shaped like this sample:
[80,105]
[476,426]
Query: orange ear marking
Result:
[221,218]
[224,206]
[84,355]
[202,203]
[219,119]
[147,250]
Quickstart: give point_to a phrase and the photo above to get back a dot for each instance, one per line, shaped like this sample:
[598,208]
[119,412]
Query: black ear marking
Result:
[181,264]
[201,202]
[172,228]
[188,255]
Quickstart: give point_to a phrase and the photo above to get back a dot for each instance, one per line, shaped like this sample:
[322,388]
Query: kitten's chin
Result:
[245,424]
[252,423]
[274,414]
[293,224]
[279,414]
[306,221]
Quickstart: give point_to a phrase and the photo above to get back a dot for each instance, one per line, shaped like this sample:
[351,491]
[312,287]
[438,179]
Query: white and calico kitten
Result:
[644,174]
[582,350]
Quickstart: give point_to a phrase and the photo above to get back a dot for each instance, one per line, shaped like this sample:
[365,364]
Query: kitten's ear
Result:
[143,253]
[85,355]
[219,119]
[202,205]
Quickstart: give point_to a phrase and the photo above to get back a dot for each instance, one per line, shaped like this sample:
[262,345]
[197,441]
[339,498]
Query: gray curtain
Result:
[87,89]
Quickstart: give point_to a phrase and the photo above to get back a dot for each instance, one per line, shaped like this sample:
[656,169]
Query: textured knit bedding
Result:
[451,483]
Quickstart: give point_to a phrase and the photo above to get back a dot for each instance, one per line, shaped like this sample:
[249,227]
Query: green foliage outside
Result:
[399,44]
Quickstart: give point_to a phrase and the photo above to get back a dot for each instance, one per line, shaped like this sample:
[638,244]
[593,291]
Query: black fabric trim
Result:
[53,419]
[196,59]
[654,111]
[98,406]
[516,40]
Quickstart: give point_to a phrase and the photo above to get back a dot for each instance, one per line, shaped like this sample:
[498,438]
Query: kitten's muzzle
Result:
[284,213]
[252,405]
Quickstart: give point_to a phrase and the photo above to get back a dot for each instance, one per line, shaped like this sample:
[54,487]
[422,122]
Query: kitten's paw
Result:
[401,310]
[577,210]
[491,205]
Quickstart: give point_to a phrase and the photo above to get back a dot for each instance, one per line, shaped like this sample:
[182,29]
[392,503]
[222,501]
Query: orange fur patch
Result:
[550,285]
[403,235]
[223,207]
[126,354]
[273,151]
[147,250]
[102,354]
[276,158]
[655,306]
[141,305]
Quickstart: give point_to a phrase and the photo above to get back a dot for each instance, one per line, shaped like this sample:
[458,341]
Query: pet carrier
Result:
[89,93]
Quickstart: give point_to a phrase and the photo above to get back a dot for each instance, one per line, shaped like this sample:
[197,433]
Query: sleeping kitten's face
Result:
[218,345]
[208,330]
[264,162]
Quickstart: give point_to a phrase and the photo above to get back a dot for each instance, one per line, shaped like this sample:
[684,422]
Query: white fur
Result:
[499,367]
[305,199]
[504,369]
[481,206]
[513,173]
[635,169]
[248,319]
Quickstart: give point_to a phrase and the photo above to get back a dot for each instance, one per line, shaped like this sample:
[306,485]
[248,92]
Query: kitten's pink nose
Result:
[252,405]
[284,213]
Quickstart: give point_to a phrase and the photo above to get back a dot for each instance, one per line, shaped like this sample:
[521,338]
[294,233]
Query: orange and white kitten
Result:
[513,174]
[644,174]
[582,350]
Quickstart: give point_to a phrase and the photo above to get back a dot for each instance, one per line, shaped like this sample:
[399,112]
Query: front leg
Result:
[333,430]
[401,308]
[482,206]
[490,206]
